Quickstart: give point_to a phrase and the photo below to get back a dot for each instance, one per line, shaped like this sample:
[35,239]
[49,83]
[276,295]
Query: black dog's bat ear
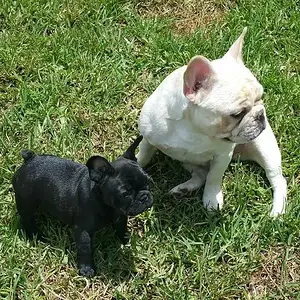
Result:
[99,168]
[130,151]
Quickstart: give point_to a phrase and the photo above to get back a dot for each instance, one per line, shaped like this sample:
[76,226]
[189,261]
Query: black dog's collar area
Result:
[134,214]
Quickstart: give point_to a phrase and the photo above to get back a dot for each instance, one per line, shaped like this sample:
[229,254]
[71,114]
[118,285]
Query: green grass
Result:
[74,75]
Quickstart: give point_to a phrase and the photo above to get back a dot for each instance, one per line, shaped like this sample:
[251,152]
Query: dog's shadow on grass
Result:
[114,262]
[171,211]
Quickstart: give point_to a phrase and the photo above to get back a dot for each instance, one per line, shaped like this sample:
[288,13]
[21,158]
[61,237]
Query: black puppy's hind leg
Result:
[27,215]
[84,252]
[120,226]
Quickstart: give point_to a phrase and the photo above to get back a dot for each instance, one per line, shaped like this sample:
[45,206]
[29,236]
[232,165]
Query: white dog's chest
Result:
[185,155]
[183,144]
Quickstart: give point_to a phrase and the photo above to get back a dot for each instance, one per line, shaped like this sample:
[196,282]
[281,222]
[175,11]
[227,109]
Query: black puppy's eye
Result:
[239,114]
[128,191]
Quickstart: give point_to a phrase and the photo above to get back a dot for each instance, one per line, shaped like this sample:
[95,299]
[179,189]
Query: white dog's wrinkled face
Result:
[225,97]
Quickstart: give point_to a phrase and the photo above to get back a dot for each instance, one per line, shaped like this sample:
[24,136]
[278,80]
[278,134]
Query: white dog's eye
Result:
[258,101]
[239,114]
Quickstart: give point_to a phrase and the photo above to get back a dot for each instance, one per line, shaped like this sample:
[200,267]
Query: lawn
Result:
[74,76]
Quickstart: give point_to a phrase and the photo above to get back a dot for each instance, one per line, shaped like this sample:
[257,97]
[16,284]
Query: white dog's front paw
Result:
[277,211]
[279,197]
[275,214]
[213,201]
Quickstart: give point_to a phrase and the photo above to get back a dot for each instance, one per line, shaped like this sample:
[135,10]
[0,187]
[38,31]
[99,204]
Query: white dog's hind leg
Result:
[146,151]
[264,150]
[195,182]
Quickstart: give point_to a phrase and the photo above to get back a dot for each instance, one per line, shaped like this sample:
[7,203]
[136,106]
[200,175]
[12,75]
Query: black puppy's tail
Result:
[130,151]
[27,155]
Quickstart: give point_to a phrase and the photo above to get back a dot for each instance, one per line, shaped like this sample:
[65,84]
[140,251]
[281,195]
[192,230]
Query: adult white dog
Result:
[203,114]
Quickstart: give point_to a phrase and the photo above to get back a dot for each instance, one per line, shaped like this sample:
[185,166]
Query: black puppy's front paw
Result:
[86,270]
[124,238]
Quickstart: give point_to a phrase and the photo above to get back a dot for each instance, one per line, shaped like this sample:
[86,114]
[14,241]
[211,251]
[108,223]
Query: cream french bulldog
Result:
[206,113]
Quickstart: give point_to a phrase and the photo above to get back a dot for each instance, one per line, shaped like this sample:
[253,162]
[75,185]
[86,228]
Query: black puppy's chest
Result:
[104,216]
[95,215]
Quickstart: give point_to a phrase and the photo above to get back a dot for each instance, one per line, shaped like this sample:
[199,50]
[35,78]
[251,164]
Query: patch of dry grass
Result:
[279,272]
[187,15]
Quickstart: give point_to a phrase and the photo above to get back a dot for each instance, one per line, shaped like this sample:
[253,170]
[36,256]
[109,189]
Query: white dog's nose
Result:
[261,116]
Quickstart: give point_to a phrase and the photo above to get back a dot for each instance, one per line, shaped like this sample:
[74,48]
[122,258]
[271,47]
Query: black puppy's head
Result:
[123,183]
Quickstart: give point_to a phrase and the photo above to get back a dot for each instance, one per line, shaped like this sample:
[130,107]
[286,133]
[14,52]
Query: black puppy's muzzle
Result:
[145,197]
[142,202]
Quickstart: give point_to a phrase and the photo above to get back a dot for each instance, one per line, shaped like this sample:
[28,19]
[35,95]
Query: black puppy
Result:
[85,196]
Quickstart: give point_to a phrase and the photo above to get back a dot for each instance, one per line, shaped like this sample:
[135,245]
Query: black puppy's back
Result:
[51,183]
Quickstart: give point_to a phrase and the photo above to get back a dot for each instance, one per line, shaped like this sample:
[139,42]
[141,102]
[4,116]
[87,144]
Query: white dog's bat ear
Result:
[235,50]
[198,74]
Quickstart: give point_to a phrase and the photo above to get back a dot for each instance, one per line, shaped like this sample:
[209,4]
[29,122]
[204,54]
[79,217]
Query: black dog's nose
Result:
[144,196]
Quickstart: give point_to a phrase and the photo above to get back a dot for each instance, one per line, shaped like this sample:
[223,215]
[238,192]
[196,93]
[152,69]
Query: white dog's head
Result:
[224,96]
